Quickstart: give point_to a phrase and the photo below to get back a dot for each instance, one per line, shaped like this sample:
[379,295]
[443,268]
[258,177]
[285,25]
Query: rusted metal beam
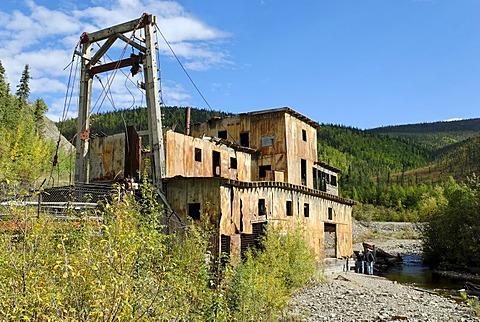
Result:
[111,66]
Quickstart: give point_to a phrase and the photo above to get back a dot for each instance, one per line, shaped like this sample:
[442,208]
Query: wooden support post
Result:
[83,121]
[152,89]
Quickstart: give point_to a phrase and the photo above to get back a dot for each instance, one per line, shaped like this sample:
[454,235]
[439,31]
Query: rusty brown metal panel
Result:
[107,158]
[133,155]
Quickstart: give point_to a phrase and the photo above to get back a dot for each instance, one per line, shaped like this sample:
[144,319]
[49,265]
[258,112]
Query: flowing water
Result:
[413,272]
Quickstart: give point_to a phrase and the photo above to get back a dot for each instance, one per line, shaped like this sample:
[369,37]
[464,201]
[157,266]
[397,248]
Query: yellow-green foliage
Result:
[23,154]
[123,267]
[473,302]
[264,282]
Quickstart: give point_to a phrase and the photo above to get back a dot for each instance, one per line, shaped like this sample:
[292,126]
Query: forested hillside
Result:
[434,135]
[366,158]
[459,160]
[115,122]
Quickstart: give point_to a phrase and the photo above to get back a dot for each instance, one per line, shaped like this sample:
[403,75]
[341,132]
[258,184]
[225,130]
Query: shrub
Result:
[123,267]
[263,283]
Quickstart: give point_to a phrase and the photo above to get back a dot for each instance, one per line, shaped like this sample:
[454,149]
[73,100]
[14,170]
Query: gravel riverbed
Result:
[347,296]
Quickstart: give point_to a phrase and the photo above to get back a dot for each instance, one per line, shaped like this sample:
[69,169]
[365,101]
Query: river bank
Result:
[347,296]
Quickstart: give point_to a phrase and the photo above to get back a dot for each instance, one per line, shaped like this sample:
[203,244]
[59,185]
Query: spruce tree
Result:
[39,109]
[3,83]
[23,90]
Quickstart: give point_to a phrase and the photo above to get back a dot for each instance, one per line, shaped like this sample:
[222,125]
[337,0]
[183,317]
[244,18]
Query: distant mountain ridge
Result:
[469,125]
[435,135]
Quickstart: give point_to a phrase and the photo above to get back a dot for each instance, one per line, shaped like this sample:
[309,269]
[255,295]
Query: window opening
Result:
[216,163]
[262,209]
[244,139]
[198,155]
[222,134]
[330,213]
[303,171]
[306,210]
[262,173]
[333,180]
[289,208]
[304,135]
[194,210]
[233,163]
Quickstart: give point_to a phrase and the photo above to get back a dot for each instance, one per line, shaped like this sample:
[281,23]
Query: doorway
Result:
[330,240]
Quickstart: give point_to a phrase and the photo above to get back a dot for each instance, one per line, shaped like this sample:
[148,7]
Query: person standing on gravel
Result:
[360,263]
[370,260]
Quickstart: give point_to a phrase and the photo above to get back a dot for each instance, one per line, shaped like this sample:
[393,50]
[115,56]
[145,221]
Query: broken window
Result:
[244,139]
[330,213]
[304,135]
[233,163]
[268,140]
[198,154]
[222,134]
[194,210]
[289,208]
[262,173]
[262,209]
[306,210]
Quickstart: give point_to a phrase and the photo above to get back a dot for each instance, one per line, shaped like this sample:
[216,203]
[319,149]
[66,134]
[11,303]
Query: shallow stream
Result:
[413,272]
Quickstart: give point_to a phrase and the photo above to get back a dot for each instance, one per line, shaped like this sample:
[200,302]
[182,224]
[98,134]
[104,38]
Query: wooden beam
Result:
[103,34]
[103,49]
[132,43]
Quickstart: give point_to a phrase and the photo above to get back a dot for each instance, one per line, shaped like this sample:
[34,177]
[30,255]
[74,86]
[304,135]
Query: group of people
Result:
[364,262]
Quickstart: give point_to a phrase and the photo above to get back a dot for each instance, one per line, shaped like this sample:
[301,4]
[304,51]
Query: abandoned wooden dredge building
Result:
[242,172]
[238,173]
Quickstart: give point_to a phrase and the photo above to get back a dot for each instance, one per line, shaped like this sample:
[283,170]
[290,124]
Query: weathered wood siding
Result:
[299,149]
[234,206]
[180,158]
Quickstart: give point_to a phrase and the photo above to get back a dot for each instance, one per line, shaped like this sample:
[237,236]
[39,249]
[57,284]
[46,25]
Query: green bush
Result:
[124,268]
[263,283]
[452,236]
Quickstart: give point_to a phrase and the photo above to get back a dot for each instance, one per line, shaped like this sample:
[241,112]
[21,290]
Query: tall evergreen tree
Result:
[3,84]
[39,109]
[23,89]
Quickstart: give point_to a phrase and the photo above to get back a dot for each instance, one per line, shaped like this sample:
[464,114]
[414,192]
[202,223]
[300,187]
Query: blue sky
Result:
[362,63]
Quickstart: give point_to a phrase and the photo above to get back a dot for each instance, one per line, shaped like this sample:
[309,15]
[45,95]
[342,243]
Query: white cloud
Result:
[44,37]
[47,85]
[454,119]
[174,94]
